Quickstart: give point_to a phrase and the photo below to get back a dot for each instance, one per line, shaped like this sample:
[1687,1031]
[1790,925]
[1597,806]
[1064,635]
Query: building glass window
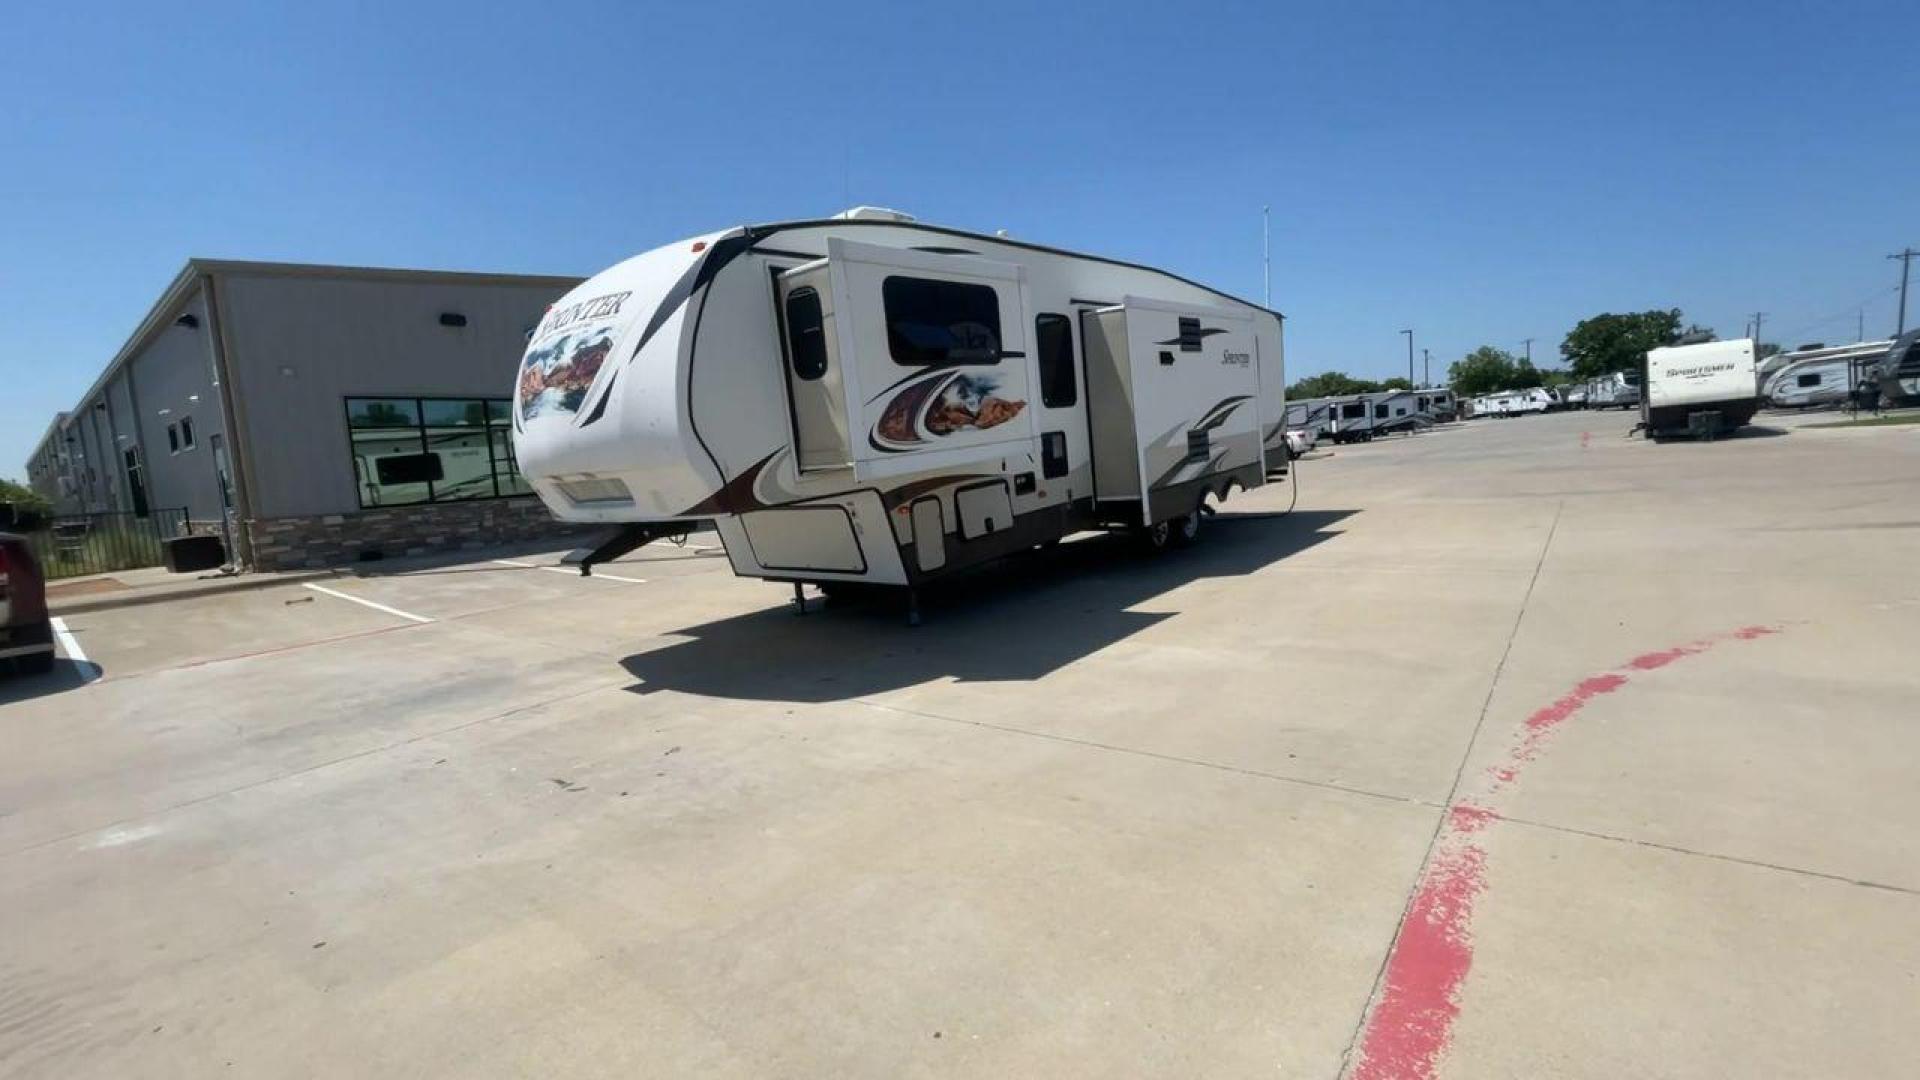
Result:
[1053,346]
[186,433]
[418,450]
[941,322]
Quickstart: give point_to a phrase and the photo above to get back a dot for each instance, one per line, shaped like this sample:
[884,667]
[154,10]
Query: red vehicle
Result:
[26,635]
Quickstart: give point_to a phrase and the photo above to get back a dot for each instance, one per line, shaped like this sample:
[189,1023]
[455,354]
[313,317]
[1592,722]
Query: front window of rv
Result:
[931,323]
[806,334]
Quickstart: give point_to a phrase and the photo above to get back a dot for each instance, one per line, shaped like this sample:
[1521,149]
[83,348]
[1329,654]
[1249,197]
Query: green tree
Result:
[1609,342]
[1396,383]
[23,498]
[1330,384]
[1483,371]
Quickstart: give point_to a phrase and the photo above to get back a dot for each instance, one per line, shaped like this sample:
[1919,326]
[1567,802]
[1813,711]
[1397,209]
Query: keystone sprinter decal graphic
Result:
[1192,334]
[557,376]
[939,403]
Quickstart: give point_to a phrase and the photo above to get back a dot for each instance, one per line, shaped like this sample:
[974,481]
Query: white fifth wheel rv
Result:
[1700,389]
[1351,418]
[867,399]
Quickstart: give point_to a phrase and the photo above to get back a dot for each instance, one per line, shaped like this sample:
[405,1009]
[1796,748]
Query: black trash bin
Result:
[189,553]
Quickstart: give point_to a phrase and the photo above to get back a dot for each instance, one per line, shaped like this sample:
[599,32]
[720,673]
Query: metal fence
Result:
[69,545]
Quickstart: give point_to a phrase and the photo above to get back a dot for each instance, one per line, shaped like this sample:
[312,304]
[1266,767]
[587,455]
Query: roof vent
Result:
[872,213]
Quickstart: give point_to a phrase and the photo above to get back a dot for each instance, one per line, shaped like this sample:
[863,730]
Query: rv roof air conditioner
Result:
[872,213]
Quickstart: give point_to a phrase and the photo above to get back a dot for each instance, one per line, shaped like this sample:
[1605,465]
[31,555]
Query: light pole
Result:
[1266,258]
[1426,369]
[1409,334]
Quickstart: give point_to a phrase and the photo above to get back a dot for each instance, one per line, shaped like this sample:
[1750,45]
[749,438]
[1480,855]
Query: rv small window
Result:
[1379,412]
[941,322]
[186,433]
[806,334]
[1053,345]
[1811,379]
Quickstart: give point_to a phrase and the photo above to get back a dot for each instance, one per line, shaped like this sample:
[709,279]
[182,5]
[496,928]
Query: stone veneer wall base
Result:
[300,543]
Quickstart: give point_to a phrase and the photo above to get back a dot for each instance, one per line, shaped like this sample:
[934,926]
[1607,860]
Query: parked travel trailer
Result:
[1615,390]
[868,399]
[1351,418]
[1575,395]
[1397,411]
[1700,389]
[1512,402]
[1439,405]
[1820,376]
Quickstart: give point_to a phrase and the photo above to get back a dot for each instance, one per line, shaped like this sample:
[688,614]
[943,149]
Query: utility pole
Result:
[1528,342]
[1426,368]
[1757,316]
[1860,327]
[1409,334]
[1906,264]
[1266,257]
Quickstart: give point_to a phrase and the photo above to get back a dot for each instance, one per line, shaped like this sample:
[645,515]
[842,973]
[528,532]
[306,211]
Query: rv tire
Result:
[1155,538]
[1186,528]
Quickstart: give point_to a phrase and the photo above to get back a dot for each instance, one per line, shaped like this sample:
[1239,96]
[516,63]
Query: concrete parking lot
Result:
[1518,748]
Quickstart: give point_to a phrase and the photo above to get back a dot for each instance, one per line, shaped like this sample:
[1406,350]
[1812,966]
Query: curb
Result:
[139,597]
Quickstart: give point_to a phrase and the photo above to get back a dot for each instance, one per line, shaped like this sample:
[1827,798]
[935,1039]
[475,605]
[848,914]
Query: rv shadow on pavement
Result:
[1019,619]
[66,675]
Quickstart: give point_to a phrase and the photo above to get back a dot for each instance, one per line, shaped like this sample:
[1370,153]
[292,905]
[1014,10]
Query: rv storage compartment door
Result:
[816,380]
[937,375]
[1172,393]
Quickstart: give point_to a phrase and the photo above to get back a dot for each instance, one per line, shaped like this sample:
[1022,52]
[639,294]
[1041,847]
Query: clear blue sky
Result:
[1480,173]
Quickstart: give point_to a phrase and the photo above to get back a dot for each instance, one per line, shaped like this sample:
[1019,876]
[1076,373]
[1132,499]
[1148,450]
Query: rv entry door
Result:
[816,380]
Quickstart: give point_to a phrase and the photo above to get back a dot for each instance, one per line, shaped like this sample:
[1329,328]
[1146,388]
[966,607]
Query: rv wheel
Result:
[1186,528]
[1155,538]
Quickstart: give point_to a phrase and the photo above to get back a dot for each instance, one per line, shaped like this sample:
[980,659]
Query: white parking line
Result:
[364,602]
[67,644]
[569,571]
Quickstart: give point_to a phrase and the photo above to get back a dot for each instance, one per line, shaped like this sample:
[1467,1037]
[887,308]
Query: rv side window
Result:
[1354,411]
[806,334]
[941,322]
[1053,344]
[1379,412]
[1812,379]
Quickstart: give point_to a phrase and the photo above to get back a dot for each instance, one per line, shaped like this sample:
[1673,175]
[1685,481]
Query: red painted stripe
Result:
[1411,1025]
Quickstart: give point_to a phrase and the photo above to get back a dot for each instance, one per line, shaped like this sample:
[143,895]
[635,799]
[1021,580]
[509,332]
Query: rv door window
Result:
[1053,344]
[806,334]
[941,322]
[1812,379]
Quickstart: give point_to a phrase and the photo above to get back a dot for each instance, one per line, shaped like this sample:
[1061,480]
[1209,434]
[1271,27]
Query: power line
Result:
[1851,309]
[1906,264]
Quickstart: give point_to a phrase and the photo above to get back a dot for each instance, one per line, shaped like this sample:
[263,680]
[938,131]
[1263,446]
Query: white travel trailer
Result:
[1700,389]
[867,399]
[1437,404]
[1614,390]
[1898,374]
[1351,418]
[1819,376]
[1397,411]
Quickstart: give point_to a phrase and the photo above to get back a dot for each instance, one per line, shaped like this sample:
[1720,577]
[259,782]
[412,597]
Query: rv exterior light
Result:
[699,245]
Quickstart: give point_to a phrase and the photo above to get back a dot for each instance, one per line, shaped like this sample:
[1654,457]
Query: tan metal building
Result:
[314,414]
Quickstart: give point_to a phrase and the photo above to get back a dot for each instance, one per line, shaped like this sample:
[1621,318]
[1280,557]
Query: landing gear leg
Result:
[913,607]
[799,599]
